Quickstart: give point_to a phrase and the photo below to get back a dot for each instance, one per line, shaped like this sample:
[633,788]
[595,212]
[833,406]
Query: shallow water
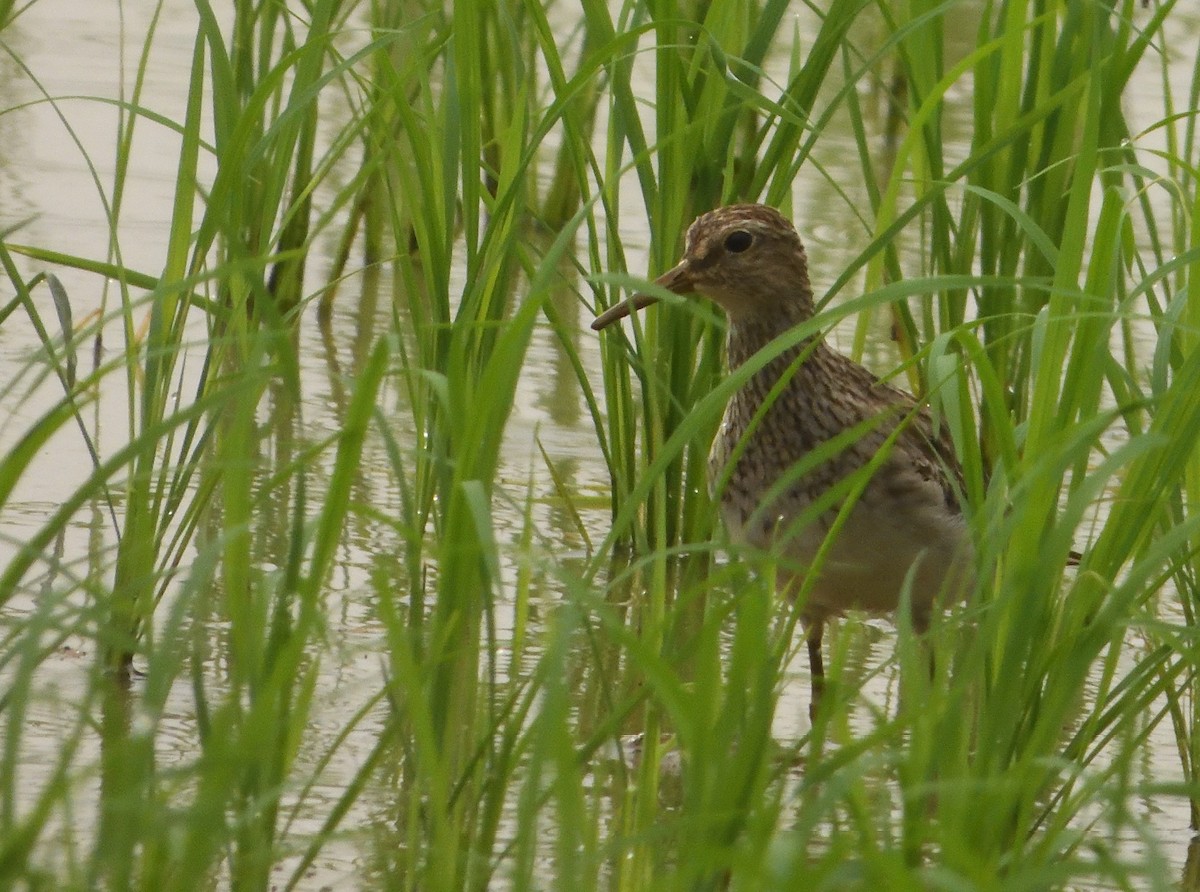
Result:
[48,189]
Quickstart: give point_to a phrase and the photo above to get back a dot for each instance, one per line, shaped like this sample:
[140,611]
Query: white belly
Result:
[871,561]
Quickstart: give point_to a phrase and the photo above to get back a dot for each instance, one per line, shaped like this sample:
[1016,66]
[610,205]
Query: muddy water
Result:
[56,168]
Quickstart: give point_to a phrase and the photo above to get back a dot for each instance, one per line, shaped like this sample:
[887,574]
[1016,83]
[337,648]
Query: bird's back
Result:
[795,466]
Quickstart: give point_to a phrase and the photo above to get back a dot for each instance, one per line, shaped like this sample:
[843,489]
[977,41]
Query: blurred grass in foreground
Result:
[485,153]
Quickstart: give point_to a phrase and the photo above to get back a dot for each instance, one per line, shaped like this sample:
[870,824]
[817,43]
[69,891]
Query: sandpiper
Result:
[906,529]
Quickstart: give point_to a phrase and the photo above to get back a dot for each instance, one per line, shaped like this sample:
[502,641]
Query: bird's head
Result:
[747,258]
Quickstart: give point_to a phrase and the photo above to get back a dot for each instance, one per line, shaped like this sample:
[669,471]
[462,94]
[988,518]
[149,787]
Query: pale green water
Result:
[73,48]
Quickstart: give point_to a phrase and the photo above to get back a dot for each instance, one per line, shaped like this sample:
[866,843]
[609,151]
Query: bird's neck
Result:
[749,334]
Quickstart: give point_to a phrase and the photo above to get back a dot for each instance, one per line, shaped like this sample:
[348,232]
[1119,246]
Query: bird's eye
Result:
[738,241]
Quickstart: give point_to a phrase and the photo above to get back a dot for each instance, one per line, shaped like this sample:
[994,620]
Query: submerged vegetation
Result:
[476,175]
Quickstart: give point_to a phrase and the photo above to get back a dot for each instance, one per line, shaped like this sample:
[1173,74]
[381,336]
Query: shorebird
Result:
[906,529]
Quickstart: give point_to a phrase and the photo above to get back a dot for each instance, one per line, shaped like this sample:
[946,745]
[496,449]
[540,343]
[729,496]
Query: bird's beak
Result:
[677,280]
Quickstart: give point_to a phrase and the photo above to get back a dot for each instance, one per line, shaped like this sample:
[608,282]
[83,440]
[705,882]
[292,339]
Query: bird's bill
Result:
[623,309]
[677,280]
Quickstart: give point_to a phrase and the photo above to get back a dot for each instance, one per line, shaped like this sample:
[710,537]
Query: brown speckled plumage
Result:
[750,261]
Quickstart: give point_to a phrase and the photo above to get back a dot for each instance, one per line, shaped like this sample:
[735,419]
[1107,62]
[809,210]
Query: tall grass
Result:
[531,700]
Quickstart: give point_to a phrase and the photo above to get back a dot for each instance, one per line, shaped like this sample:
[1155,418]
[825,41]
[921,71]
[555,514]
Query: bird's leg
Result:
[920,622]
[925,654]
[816,665]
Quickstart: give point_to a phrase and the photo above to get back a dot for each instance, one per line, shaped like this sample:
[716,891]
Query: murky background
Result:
[57,159]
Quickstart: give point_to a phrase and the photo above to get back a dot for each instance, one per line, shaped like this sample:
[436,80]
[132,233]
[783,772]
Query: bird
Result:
[906,529]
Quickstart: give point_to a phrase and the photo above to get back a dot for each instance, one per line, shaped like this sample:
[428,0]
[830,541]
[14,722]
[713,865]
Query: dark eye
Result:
[738,241]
